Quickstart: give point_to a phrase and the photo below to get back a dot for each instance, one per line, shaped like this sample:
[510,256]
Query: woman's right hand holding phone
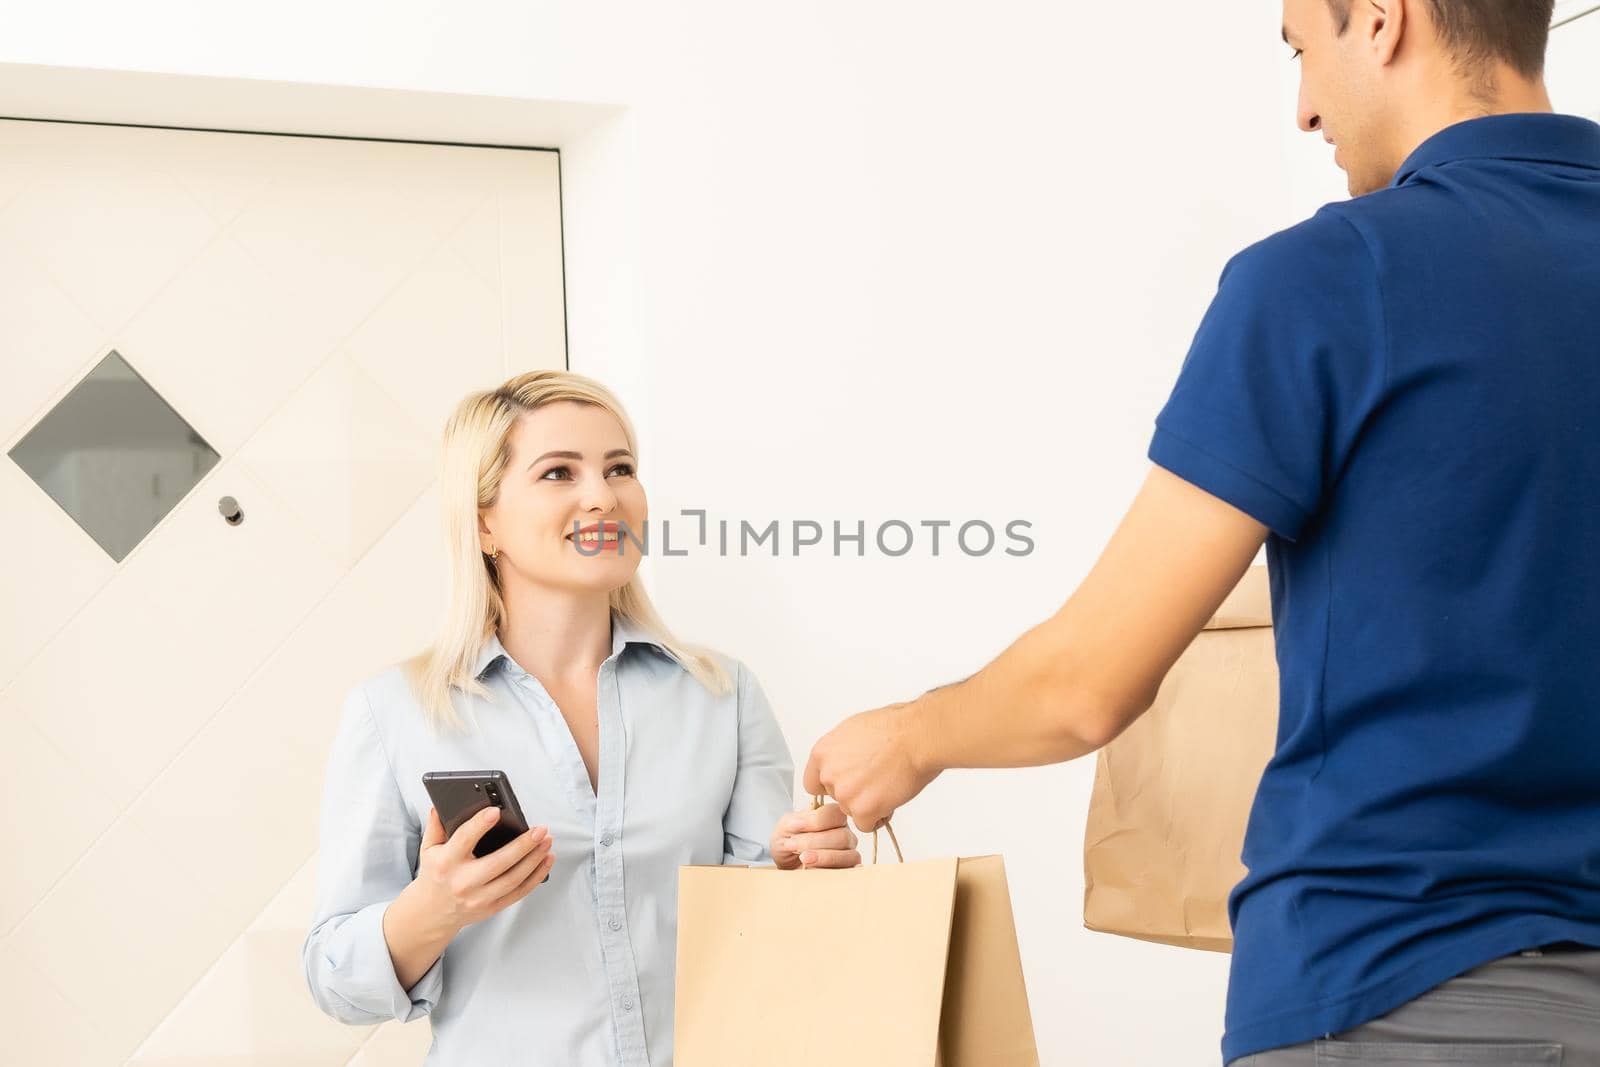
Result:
[453,888]
[461,888]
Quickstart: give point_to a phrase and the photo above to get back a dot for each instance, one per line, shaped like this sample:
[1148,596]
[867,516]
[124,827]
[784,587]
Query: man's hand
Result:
[869,764]
[1070,684]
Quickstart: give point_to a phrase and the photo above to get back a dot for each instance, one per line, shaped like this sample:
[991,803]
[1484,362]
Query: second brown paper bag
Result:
[1173,792]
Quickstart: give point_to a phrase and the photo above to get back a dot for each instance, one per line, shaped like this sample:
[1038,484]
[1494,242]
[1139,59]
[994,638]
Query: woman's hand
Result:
[454,888]
[458,888]
[814,838]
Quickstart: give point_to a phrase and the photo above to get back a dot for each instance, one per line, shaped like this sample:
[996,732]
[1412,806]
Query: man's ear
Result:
[1383,25]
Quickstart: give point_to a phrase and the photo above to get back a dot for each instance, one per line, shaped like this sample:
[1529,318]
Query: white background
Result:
[871,261]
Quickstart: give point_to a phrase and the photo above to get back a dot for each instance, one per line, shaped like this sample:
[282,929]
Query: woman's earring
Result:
[495,558]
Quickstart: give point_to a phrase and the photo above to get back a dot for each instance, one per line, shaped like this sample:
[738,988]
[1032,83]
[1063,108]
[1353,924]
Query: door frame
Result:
[592,140]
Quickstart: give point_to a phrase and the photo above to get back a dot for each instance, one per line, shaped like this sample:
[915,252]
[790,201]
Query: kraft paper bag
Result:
[888,965]
[1173,792]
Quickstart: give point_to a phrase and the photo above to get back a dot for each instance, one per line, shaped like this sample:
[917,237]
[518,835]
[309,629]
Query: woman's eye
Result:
[625,469]
[561,473]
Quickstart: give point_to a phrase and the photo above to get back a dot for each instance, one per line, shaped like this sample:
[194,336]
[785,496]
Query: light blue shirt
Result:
[580,972]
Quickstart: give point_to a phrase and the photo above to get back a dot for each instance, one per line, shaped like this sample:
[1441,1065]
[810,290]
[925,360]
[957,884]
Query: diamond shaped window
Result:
[115,456]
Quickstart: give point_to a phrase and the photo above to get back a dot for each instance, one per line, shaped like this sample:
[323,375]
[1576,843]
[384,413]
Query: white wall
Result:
[868,261]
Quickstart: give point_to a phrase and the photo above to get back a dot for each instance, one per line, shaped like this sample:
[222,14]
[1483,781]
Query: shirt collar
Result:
[624,632]
[492,652]
[1534,136]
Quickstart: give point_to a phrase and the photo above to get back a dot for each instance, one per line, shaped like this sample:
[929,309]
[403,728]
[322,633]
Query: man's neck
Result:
[1457,101]
[1513,94]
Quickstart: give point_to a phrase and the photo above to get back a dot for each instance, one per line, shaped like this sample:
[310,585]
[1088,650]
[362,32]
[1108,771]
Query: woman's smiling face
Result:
[570,467]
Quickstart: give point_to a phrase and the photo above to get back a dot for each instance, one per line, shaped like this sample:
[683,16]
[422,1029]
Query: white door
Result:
[185,317]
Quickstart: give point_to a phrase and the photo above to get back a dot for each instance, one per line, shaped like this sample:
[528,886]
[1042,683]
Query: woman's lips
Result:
[596,539]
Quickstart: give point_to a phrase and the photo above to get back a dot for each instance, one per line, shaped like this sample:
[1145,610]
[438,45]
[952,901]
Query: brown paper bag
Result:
[1172,793]
[888,965]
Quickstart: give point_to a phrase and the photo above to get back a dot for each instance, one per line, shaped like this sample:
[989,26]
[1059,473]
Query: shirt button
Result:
[627,1003]
[606,840]
[615,924]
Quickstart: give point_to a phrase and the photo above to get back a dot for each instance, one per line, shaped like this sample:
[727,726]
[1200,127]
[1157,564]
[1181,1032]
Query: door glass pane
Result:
[115,456]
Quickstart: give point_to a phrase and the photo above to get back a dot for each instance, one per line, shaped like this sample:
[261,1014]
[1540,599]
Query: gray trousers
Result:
[1539,1006]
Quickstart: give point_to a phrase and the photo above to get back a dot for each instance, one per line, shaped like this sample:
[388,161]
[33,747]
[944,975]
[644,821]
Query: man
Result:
[1400,397]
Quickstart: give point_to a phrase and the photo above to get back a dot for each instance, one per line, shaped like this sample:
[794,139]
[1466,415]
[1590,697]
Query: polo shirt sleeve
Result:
[1286,365]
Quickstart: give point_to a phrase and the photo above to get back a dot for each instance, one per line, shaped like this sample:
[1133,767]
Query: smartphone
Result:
[459,795]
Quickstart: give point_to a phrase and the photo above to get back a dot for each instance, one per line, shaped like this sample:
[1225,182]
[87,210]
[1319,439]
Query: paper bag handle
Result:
[816,802]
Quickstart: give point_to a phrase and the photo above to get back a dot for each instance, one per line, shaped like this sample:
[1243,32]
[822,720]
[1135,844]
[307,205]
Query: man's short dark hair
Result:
[1478,32]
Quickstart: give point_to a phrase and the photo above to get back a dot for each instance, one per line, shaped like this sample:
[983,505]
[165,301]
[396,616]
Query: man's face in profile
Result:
[1339,75]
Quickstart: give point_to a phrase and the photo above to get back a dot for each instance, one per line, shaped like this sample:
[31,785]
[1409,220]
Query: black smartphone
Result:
[459,795]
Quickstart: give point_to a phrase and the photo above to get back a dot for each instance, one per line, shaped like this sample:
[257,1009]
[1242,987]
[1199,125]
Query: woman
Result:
[632,753]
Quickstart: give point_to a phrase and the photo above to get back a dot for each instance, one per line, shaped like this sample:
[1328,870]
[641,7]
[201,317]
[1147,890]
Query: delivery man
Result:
[1401,397]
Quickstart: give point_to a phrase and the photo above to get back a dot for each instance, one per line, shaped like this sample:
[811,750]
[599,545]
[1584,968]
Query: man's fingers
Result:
[814,785]
[868,820]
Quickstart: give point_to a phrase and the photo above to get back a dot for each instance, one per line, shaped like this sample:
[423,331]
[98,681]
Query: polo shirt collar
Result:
[624,632]
[1540,137]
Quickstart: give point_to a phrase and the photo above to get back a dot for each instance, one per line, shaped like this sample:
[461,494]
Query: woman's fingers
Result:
[820,837]
[514,874]
[536,877]
[830,857]
[503,858]
[469,833]
[789,824]
[841,839]
[433,833]
[827,817]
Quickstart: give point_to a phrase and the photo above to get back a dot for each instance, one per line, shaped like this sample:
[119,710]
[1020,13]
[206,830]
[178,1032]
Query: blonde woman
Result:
[630,752]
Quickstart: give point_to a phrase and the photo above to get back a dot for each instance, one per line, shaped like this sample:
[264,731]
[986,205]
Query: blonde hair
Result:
[476,450]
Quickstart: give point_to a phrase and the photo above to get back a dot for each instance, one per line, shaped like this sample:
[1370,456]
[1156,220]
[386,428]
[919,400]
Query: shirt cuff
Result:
[363,971]
[739,852]
[1228,483]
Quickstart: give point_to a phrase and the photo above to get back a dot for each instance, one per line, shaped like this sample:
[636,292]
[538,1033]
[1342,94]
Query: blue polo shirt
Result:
[1405,389]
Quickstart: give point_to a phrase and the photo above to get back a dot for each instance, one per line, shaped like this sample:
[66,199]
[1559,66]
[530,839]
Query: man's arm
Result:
[1070,684]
